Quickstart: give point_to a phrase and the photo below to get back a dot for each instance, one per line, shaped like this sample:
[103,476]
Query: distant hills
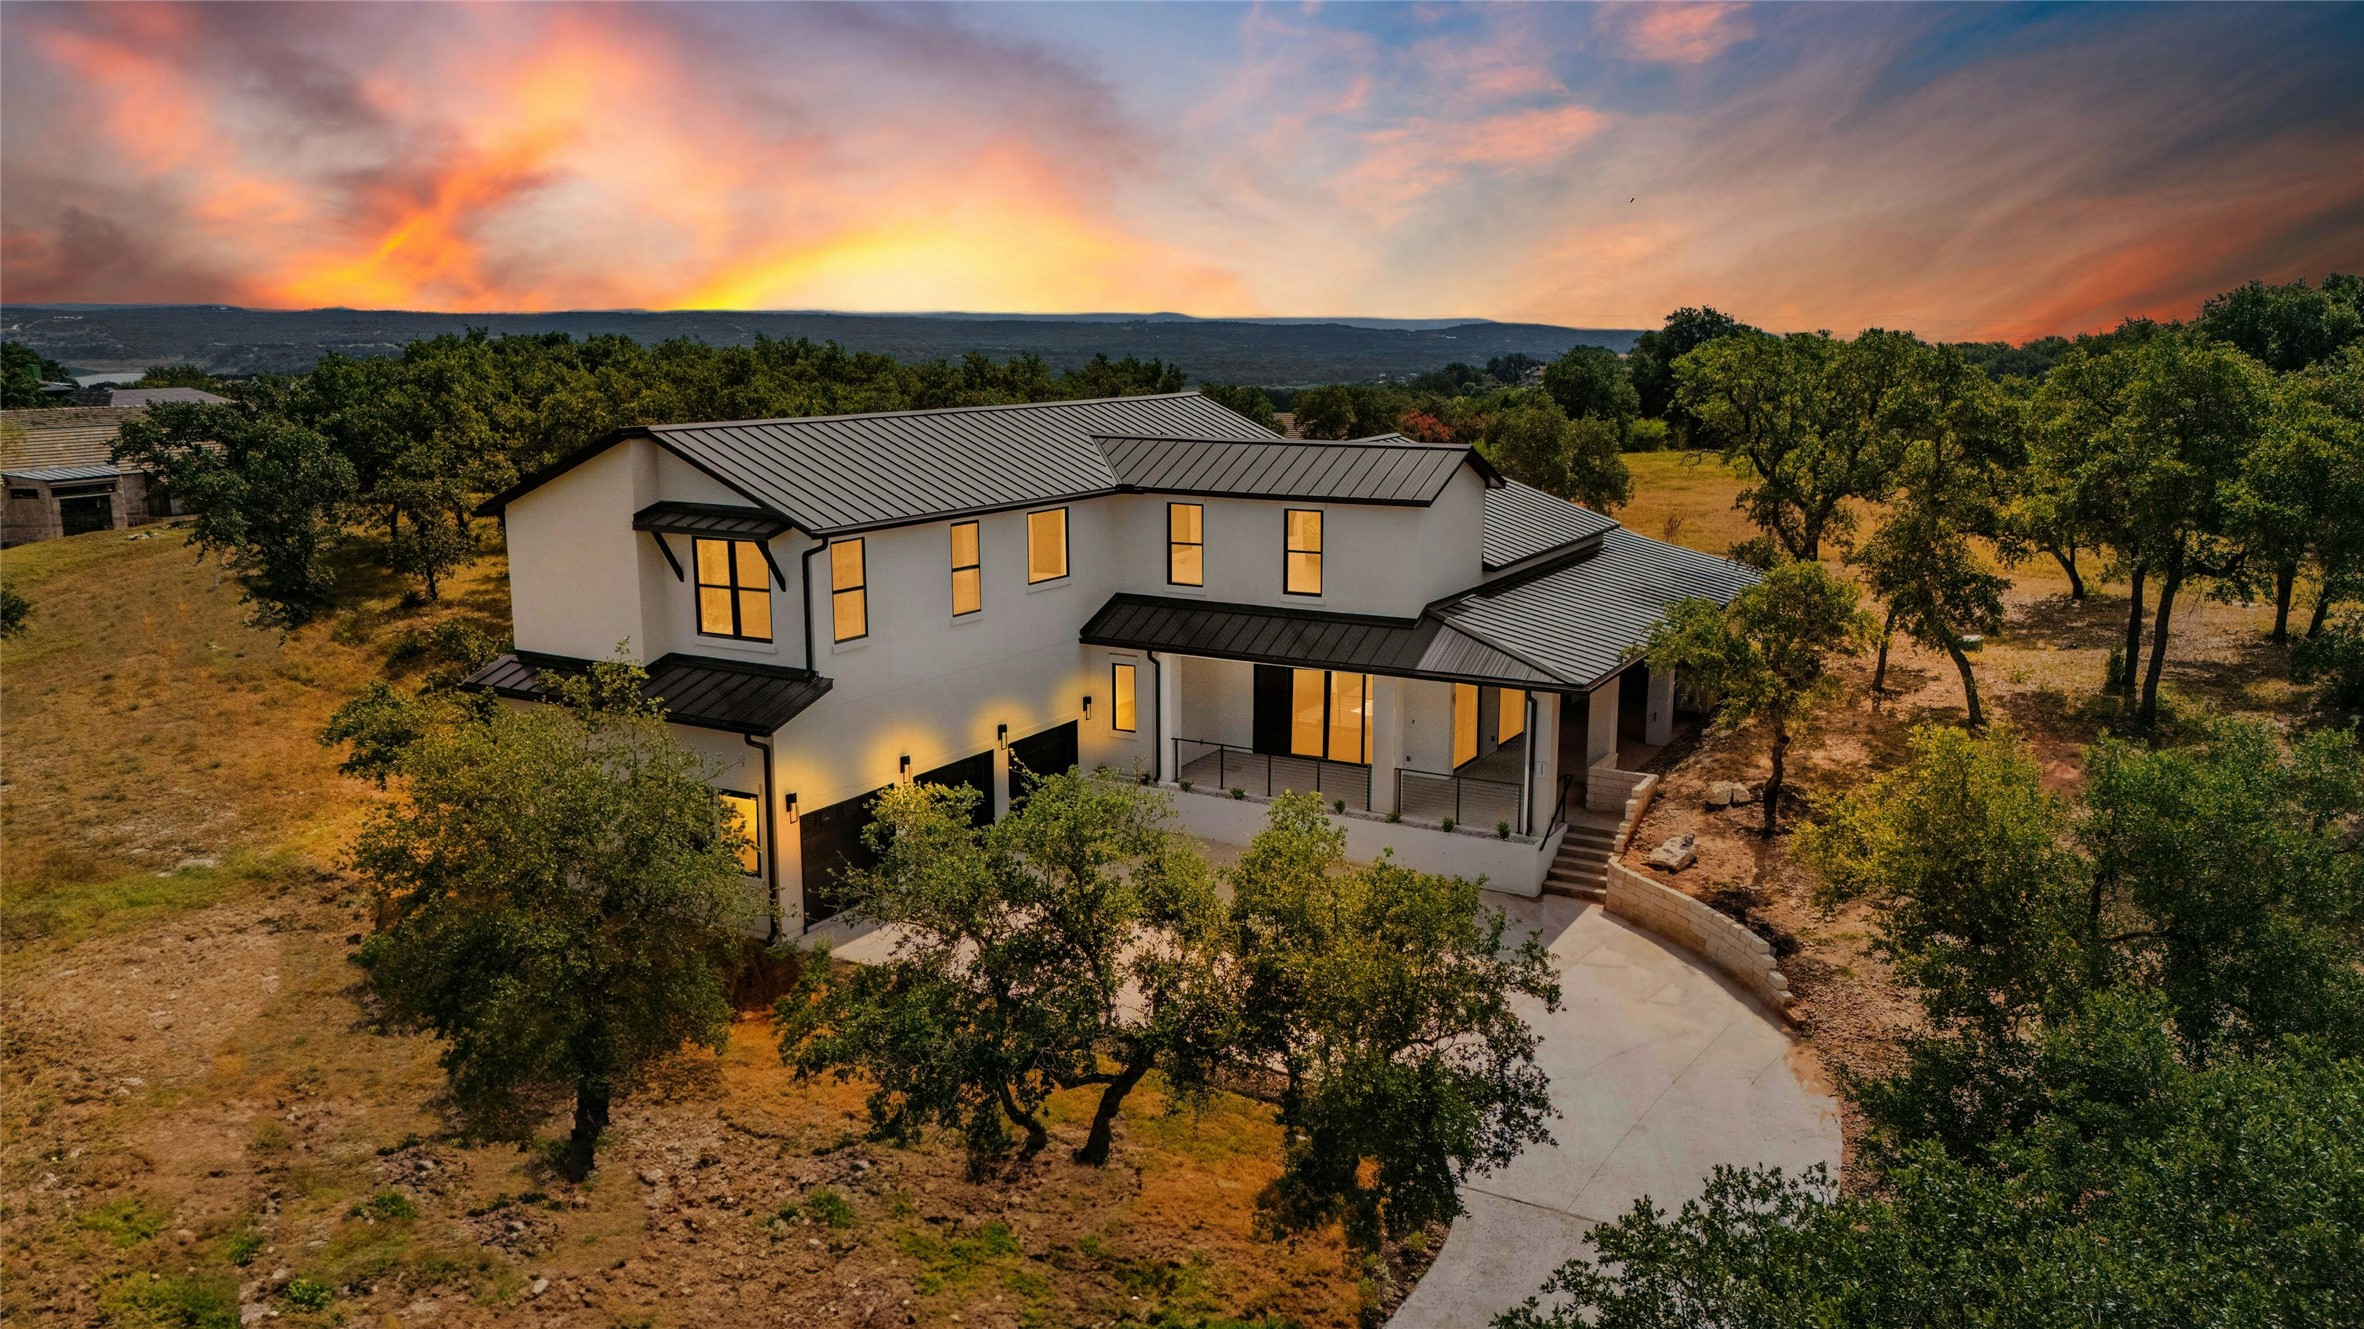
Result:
[1270,352]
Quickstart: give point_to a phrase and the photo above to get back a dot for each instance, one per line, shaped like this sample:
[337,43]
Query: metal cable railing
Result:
[1223,768]
[1465,800]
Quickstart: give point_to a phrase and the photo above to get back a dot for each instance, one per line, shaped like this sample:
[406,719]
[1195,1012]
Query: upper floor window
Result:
[1124,714]
[1046,545]
[1304,568]
[734,596]
[968,577]
[1186,544]
[849,591]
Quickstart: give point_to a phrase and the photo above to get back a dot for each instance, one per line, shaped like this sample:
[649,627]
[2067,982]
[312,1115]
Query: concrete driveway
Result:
[1660,1070]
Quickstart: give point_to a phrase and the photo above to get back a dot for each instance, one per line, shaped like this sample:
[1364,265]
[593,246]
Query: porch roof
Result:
[734,696]
[1422,647]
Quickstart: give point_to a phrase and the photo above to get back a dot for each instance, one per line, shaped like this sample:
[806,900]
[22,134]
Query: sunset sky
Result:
[1974,171]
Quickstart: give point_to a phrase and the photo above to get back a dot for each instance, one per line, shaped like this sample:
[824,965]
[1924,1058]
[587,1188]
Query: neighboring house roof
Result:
[47,437]
[1523,521]
[151,396]
[1581,620]
[1387,469]
[1304,638]
[58,475]
[735,696]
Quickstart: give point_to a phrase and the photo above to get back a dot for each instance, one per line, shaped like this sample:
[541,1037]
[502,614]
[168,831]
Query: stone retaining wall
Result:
[1670,915]
[1606,788]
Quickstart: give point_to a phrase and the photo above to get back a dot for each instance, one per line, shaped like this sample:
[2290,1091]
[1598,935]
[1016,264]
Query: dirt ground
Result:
[199,1124]
[2042,675]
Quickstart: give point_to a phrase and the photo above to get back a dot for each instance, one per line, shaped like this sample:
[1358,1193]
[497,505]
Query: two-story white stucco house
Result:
[828,606]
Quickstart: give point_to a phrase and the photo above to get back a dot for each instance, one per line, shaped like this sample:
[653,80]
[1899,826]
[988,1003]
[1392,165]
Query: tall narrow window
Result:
[738,822]
[1350,719]
[734,595]
[1124,714]
[1186,544]
[1465,724]
[1306,689]
[1330,715]
[968,580]
[1512,721]
[849,590]
[1046,545]
[1304,570]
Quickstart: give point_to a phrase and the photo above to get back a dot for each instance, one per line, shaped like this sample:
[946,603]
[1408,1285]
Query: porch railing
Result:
[1219,768]
[1468,800]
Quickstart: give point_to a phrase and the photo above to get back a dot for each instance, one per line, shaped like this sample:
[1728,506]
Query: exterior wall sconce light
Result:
[792,806]
[904,770]
[1001,735]
[1087,706]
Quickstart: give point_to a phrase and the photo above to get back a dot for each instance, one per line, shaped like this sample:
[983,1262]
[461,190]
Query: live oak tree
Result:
[1808,421]
[2300,495]
[1387,1000]
[268,497]
[1532,441]
[1766,656]
[1650,365]
[1959,444]
[1074,943]
[2138,1099]
[2074,487]
[563,897]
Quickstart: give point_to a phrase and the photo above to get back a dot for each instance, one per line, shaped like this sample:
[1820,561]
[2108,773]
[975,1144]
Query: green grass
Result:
[128,1220]
[954,1262]
[66,912]
[149,1301]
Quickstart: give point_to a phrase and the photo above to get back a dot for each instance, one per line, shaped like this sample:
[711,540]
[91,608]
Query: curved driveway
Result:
[1660,1070]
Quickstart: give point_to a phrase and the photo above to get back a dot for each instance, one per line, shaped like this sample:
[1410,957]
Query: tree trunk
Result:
[2133,632]
[1096,1145]
[2150,679]
[2322,608]
[2067,558]
[591,1102]
[2285,577]
[1880,670]
[1977,718]
[1780,765]
[1036,1136]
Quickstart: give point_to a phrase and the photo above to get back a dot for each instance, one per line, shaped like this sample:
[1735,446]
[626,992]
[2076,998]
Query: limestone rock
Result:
[1676,854]
[1719,794]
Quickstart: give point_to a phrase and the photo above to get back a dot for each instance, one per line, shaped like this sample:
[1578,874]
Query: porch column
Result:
[1600,733]
[1543,748]
[1658,728]
[1387,740]
[1169,715]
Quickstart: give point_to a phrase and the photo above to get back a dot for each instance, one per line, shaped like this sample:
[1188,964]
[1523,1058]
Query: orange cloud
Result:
[1685,32]
[1406,161]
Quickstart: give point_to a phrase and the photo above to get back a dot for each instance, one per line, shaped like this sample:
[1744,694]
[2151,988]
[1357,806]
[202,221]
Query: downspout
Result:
[1157,722]
[770,825]
[806,587]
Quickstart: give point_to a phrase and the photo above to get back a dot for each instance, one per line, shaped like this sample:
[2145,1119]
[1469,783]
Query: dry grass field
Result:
[198,1116]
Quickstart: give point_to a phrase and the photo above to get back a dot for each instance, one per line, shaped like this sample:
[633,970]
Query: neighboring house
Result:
[1149,584]
[61,477]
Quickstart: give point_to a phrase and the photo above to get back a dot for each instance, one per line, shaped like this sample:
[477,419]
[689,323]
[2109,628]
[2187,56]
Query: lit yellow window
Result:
[1350,730]
[849,593]
[1512,721]
[1330,715]
[1120,686]
[1186,544]
[968,578]
[1046,545]
[738,824]
[1304,573]
[1305,711]
[1465,724]
[734,590]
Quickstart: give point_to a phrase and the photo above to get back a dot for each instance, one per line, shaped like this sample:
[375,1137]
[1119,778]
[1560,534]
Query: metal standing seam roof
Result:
[1581,621]
[56,475]
[734,696]
[1304,638]
[839,474]
[710,519]
[1523,521]
[1388,468]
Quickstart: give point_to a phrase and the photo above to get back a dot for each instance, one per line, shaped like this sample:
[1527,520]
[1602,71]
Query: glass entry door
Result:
[1322,713]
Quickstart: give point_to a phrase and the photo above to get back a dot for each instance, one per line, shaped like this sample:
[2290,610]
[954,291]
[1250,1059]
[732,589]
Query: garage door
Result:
[833,849]
[1051,752]
[977,773]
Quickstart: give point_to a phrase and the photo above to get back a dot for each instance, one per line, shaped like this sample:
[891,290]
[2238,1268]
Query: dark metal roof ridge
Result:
[1530,569]
[492,507]
[1389,440]
[1283,611]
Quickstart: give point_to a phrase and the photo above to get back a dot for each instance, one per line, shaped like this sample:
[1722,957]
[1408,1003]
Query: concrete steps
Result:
[1581,869]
